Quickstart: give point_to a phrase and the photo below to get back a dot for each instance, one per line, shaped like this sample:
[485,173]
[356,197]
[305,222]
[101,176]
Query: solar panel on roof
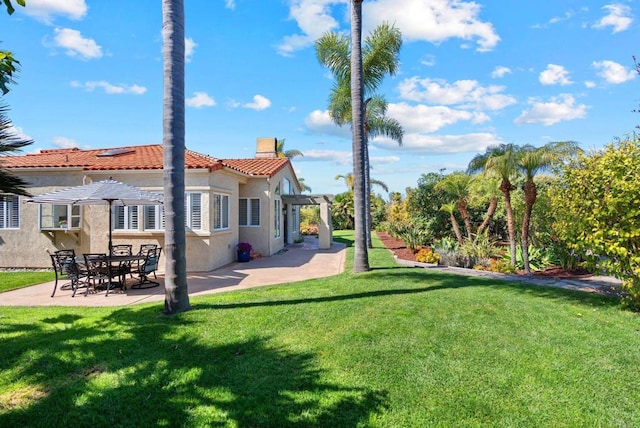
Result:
[115,152]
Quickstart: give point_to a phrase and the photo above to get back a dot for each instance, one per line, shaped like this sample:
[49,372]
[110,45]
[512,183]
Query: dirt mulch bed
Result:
[400,250]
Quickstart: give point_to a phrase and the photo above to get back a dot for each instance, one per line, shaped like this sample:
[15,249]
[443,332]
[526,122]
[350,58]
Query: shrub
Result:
[244,247]
[309,229]
[426,255]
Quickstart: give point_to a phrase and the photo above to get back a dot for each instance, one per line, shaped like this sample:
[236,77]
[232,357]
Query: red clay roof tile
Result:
[136,158]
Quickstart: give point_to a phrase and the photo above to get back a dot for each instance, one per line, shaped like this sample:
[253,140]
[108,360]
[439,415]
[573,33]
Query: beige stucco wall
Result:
[27,246]
[207,249]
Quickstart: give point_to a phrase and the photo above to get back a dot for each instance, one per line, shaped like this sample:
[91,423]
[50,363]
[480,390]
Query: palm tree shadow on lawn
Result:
[417,281]
[160,381]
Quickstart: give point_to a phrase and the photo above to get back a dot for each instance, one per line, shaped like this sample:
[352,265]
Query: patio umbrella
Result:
[106,192]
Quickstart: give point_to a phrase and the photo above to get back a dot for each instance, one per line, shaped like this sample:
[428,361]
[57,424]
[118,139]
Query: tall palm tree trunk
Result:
[176,293]
[367,189]
[361,256]
[506,188]
[530,196]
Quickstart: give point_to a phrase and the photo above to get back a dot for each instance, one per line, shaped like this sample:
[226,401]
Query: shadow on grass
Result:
[405,281]
[139,368]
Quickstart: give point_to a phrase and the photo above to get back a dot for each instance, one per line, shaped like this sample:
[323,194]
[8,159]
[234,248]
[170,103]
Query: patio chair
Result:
[124,266]
[66,268]
[144,249]
[101,272]
[146,267]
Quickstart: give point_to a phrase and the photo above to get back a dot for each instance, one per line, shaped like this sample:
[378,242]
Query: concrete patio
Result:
[295,263]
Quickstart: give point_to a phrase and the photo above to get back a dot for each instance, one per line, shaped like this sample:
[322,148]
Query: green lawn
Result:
[13,280]
[394,347]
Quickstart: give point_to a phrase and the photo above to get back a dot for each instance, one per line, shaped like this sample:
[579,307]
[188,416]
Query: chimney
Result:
[266,148]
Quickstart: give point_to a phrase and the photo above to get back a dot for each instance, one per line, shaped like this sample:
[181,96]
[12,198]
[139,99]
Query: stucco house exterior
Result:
[227,201]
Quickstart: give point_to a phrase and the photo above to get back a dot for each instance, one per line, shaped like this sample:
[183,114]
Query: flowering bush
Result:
[426,255]
[244,247]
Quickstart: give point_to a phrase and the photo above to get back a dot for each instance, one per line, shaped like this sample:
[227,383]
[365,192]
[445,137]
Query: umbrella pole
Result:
[110,226]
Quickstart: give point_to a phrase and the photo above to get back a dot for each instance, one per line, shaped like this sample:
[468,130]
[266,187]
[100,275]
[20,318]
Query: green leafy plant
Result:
[426,255]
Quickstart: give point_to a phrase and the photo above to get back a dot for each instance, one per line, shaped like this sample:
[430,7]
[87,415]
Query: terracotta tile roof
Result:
[136,158]
[264,166]
[109,159]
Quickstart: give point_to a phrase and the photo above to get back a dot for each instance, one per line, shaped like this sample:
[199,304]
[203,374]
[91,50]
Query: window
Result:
[220,212]
[9,212]
[276,216]
[154,217]
[193,211]
[249,212]
[125,217]
[63,217]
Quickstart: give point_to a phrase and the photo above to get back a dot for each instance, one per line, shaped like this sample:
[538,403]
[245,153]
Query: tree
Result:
[380,56]
[450,209]
[597,211]
[303,186]
[361,255]
[459,186]
[531,161]
[176,292]
[282,153]
[501,161]
[349,181]
[10,143]
[9,5]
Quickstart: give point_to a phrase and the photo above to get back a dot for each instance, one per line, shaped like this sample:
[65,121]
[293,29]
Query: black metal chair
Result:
[66,268]
[124,266]
[101,273]
[146,267]
[144,249]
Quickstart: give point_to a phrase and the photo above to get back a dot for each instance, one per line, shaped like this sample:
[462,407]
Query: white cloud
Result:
[613,72]
[467,93]
[75,44]
[557,109]
[17,132]
[590,84]
[423,118]
[45,10]
[442,144]
[110,88]
[230,4]
[199,100]
[500,71]
[189,48]
[618,17]
[555,75]
[334,156]
[259,103]
[313,18]
[319,122]
[434,21]
[567,15]
[64,143]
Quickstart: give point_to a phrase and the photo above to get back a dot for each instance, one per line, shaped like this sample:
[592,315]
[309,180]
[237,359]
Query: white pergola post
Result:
[325,233]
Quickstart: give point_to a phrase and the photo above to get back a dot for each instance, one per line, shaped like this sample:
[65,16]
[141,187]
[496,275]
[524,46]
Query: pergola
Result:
[325,230]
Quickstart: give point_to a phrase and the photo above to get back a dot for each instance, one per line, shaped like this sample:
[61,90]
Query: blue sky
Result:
[472,74]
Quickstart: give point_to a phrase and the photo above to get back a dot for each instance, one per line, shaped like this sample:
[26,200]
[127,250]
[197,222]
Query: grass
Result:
[14,280]
[393,347]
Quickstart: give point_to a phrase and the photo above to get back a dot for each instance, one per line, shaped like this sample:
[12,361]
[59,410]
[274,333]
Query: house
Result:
[226,201]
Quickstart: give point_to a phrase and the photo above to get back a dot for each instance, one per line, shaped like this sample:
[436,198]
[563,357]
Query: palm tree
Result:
[10,143]
[502,161]
[361,255]
[303,186]
[459,186]
[380,56]
[532,161]
[450,208]
[348,180]
[486,189]
[176,293]
[282,153]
